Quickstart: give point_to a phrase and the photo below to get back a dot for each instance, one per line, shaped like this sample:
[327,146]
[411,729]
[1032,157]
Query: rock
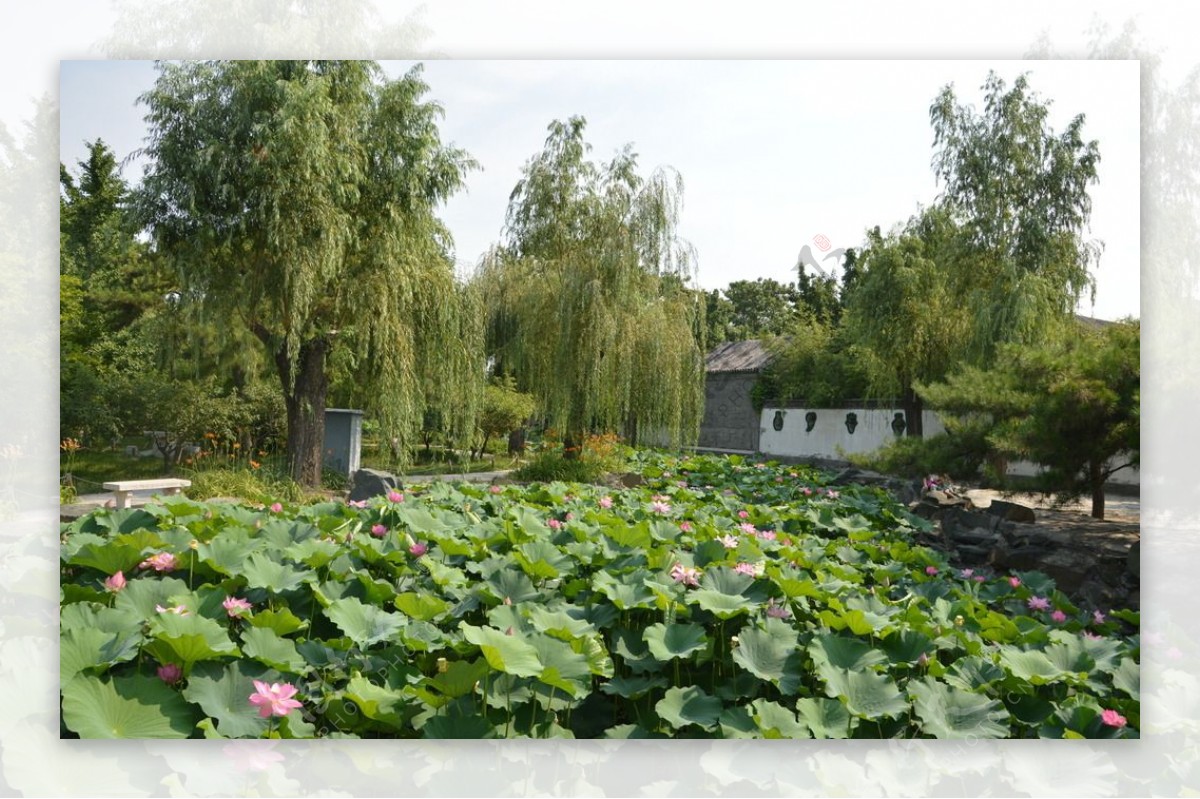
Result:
[367,483]
[972,526]
[1011,511]
[631,480]
[904,491]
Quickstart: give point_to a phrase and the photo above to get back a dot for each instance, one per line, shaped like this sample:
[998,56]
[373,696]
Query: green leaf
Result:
[907,646]
[562,666]
[972,673]
[560,623]
[262,572]
[683,706]
[841,652]
[473,726]
[223,692]
[510,583]
[826,718]
[122,553]
[721,605]
[867,694]
[265,646]
[736,723]
[1127,678]
[228,550]
[506,653]
[776,721]
[628,592]
[460,678]
[541,560]
[188,639]
[670,641]
[423,607]
[630,732]
[125,707]
[282,621]
[91,648]
[384,705]
[632,687]
[1031,666]
[771,654]
[364,624]
[947,712]
[140,597]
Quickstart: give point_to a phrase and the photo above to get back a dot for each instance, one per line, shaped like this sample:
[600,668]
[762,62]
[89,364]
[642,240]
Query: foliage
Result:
[599,454]
[297,200]
[587,298]
[1072,407]
[722,599]
[250,485]
[1019,191]
[906,315]
[815,362]
[504,410]
[958,454]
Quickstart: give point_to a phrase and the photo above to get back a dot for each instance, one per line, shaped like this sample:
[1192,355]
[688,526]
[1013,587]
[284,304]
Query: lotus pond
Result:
[721,599]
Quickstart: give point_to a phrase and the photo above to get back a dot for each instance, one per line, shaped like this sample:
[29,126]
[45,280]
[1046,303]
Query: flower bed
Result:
[722,599]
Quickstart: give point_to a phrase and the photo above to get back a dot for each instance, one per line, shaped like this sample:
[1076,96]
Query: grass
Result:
[91,468]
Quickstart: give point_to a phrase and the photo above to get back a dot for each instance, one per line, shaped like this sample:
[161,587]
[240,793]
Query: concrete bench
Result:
[123,489]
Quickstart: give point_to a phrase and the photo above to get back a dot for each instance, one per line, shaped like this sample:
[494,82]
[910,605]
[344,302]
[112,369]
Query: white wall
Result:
[874,429]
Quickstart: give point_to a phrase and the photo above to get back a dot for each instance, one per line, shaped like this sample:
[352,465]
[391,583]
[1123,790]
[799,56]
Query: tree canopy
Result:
[1071,406]
[298,199]
[587,295]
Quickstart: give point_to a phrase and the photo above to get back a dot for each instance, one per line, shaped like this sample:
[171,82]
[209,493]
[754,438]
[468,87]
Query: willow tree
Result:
[1019,191]
[298,199]
[589,299]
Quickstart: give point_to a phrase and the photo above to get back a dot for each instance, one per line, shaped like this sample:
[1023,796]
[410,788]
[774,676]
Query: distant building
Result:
[731,424]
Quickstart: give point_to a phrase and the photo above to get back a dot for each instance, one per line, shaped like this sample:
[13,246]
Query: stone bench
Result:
[123,489]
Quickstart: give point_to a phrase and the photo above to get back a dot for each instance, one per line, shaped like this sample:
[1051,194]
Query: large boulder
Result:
[367,483]
[904,491]
[1011,511]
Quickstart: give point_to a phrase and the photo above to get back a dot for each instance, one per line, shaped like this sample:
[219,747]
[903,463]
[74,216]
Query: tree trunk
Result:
[1096,478]
[572,446]
[913,405]
[305,400]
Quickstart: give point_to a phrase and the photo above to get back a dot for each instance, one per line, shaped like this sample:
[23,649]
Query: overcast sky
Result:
[772,153]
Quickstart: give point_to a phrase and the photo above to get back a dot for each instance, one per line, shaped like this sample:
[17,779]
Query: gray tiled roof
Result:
[738,356]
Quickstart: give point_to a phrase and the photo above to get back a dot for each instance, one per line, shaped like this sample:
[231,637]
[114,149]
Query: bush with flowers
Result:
[721,599]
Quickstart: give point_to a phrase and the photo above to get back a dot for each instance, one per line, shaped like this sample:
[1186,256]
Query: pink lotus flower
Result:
[777,611]
[685,527]
[748,528]
[554,524]
[743,514]
[728,541]
[767,535]
[395,496]
[685,574]
[965,573]
[1112,718]
[923,660]
[1038,603]
[1092,636]
[570,516]
[276,507]
[751,569]
[1097,617]
[178,610]
[1058,616]
[496,489]
[378,530]
[170,673]
[931,570]
[605,502]
[979,578]
[660,507]
[779,479]
[831,494]
[357,503]
[806,491]
[418,549]
[792,474]
[162,562]
[1014,581]
[275,698]
[235,606]
[115,583]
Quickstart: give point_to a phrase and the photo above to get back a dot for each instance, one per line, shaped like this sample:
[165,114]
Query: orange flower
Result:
[254,464]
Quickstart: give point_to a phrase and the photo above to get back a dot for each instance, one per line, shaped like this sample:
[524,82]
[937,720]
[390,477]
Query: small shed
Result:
[731,424]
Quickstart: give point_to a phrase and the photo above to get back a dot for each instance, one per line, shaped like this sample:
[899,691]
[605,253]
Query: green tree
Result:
[762,307]
[588,299]
[1019,192]
[718,319]
[906,314]
[1071,406]
[504,410]
[297,200]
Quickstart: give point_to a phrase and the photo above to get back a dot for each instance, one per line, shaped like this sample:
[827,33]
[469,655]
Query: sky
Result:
[773,153]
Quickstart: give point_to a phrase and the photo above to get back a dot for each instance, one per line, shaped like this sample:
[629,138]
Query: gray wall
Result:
[730,421]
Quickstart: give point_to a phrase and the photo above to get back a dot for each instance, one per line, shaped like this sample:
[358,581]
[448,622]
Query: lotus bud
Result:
[443,665]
